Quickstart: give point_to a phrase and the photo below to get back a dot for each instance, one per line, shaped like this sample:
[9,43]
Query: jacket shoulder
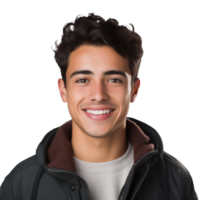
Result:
[179,176]
[174,164]
[20,177]
[20,166]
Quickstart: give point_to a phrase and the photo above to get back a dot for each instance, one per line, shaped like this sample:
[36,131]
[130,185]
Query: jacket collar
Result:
[60,154]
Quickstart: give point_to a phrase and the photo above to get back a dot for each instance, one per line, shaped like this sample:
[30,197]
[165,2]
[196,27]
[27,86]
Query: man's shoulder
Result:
[25,167]
[20,177]
[179,175]
[173,165]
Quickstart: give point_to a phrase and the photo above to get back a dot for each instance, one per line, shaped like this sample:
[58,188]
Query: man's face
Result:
[97,89]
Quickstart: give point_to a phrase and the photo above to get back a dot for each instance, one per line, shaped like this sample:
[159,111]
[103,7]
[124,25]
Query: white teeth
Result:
[98,112]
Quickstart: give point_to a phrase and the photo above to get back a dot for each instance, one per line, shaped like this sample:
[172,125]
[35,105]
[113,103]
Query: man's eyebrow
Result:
[111,72]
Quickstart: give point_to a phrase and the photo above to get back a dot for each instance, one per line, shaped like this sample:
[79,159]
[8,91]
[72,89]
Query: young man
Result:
[100,154]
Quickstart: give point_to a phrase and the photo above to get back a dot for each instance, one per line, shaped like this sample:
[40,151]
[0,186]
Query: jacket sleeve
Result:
[190,193]
[5,191]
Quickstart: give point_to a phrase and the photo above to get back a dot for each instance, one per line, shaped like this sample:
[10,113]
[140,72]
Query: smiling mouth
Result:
[98,117]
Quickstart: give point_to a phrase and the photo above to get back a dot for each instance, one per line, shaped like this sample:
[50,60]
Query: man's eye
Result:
[119,81]
[82,80]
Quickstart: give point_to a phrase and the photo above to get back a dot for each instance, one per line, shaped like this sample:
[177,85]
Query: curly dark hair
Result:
[96,31]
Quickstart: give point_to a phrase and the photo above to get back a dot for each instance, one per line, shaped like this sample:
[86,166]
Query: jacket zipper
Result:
[59,170]
[151,152]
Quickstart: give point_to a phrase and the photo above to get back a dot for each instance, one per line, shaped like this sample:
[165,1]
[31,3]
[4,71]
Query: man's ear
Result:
[62,90]
[135,89]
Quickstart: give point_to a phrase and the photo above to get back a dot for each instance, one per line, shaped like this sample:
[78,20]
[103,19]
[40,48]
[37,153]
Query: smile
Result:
[98,115]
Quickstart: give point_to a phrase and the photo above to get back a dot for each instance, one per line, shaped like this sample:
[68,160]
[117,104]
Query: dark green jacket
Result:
[155,176]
